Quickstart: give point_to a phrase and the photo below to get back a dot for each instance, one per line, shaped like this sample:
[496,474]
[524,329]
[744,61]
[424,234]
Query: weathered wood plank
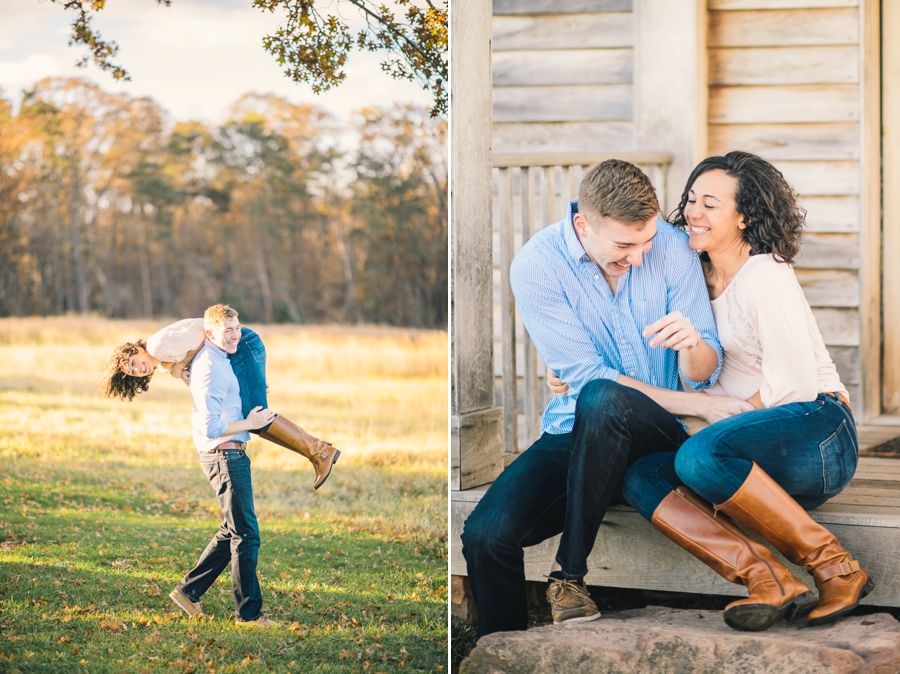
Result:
[597,102]
[787,65]
[778,4]
[831,214]
[554,7]
[562,66]
[563,137]
[829,251]
[839,327]
[630,553]
[787,141]
[784,28]
[890,77]
[821,178]
[829,288]
[508,310]
[562,31]
[846,360]
[785,104]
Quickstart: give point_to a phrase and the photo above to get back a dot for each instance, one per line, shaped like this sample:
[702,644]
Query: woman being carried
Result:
[173,348]
[763,468]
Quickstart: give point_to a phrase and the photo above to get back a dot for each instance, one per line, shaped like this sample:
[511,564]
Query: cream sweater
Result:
[770,338]
[172,343]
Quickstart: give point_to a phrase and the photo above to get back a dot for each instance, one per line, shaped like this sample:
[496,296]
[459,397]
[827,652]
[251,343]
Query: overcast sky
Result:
[195,58]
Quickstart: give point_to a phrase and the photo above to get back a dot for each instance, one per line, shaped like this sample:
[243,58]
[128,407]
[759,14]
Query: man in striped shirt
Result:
[615,302]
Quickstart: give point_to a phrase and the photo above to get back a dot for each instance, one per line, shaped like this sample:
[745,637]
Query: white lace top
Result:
[172,343]
[770,338]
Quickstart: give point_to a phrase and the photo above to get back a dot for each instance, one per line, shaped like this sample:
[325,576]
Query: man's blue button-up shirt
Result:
[217,398]
[584,331]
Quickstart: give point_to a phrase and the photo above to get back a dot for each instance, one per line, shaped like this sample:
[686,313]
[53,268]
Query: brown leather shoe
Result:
[322,455]
[764,507]
[775,593]
[192,608]
[570,601]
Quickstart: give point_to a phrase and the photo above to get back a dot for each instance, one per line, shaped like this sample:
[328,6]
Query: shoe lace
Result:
[560,586]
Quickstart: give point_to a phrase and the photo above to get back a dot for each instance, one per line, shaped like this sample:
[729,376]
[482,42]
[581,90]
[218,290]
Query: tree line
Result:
[107,206]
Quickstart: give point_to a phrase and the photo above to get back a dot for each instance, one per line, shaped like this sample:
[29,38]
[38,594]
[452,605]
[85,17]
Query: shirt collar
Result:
[573,245]
[214,350]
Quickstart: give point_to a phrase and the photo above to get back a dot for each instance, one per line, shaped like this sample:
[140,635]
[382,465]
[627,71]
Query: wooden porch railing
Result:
[542,184]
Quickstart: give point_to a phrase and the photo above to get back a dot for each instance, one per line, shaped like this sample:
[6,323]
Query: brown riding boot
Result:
[775,593]
[764,507]
[286,433]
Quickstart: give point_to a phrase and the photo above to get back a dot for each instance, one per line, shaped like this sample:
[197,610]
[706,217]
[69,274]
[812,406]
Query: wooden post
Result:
[476,444]
[669,66]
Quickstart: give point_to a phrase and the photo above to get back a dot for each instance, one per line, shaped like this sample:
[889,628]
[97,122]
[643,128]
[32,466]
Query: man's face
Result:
[614,246]
[225,335]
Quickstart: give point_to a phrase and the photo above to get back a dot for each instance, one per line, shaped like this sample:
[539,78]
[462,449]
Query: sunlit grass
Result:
[103,507]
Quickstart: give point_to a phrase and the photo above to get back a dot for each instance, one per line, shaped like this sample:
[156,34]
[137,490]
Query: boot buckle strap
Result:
[841,569]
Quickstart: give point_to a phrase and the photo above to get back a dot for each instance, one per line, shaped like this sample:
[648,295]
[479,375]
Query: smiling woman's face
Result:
[140,364]
[711,212]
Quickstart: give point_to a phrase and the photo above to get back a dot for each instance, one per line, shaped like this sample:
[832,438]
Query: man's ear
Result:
[581,224]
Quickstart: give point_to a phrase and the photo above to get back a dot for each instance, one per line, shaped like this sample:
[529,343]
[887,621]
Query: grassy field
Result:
[103,508]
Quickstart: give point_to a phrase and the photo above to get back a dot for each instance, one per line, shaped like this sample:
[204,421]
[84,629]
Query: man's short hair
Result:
[617,190]
[217,314]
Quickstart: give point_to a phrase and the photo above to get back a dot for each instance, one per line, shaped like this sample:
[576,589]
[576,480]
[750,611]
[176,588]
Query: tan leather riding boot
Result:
[286,433]
[764,507]
[775,593]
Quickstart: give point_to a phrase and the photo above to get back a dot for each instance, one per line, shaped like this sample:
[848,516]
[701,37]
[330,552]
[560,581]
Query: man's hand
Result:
[673,331]
[555,384]
[260,416]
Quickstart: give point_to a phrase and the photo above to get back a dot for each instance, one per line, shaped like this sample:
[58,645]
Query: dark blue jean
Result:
[561,484]
[810,449]
[237,540]
[249,365]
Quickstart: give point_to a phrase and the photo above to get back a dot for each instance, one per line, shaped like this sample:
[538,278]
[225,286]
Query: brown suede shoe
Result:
[570,602]
[192,608]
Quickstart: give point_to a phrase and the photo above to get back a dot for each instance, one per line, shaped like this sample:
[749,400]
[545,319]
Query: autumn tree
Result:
[313,46]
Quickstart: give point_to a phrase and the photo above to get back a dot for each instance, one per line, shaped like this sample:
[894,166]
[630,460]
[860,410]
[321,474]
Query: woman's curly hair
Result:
[763,197]
[116,382]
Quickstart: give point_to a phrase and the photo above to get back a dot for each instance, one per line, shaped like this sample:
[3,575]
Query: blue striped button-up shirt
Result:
[217,399]
[585,332]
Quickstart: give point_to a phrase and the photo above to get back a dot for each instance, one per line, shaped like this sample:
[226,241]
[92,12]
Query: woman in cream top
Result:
[131,365]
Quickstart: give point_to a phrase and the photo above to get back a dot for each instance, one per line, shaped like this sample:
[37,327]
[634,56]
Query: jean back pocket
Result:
[839,456]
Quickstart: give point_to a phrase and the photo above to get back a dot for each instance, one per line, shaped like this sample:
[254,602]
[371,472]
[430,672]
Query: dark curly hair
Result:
[116,382]
[763,197]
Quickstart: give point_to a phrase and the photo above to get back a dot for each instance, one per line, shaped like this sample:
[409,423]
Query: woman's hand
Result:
[716,408]
[260,416]
[555,384]
[186,377]
[177,370]
[673,331]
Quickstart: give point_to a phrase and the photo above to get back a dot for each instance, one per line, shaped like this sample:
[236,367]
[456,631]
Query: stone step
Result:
[655,640]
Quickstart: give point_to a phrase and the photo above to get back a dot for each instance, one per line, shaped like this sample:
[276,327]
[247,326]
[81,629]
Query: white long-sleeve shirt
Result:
[172,343]
[770,338]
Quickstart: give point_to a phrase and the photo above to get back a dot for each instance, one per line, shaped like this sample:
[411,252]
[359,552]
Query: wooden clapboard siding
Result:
[831,214]
[555,6]
[788,65]
[563,104]
[789,141]
[562,75]
[562,66]
[797,103]
[829,287]
[616,136]
[779,4]
[563,31]
[821,178]
[784,28]
[829,251]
